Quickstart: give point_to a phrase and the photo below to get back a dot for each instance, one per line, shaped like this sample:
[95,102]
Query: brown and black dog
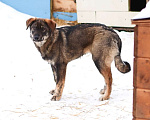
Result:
[59,46]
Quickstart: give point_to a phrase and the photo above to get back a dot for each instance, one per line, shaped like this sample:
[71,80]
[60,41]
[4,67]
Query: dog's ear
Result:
[51,24]
[30,21]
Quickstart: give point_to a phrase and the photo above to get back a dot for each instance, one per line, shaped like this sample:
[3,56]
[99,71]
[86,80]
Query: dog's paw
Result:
[52,92]
[55,98]
[102,91]
[102,98]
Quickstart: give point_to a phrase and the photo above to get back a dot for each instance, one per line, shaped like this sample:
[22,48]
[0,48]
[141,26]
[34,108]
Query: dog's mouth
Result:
[37,38]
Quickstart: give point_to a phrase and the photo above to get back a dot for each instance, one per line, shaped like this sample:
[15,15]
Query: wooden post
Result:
[141,77]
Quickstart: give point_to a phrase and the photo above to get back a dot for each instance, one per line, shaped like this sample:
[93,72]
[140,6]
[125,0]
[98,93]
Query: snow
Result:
[26,80]
[145,13]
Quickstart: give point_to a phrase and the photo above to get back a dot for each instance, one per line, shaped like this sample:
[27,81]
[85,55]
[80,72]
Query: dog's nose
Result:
[36,37]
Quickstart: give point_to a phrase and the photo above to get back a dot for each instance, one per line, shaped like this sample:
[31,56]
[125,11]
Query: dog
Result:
[59,46]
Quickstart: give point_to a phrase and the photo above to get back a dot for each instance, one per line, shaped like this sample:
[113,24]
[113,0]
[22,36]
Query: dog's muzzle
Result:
[37,38]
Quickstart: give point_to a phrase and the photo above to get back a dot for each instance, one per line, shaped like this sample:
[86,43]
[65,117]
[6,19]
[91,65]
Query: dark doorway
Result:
[137,5]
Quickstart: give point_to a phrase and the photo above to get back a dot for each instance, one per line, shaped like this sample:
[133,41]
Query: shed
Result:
[110,12]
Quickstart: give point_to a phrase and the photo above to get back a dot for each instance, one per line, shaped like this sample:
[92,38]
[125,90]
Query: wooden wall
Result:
[141,76]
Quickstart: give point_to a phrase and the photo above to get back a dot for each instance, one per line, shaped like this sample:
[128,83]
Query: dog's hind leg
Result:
[108,81]
[103,64]
[106,72]
[59,71]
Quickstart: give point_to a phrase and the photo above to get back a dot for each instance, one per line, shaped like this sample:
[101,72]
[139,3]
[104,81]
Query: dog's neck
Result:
[45,46]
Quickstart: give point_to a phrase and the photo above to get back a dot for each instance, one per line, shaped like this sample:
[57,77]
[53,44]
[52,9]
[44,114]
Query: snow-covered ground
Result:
[26,80]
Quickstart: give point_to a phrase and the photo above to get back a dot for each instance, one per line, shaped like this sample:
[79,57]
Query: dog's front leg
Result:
[59,71]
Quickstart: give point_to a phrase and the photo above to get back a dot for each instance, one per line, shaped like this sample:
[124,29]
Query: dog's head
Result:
[40,29]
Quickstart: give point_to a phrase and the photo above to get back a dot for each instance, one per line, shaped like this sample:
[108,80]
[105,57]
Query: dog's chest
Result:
[51,62]
[48,55]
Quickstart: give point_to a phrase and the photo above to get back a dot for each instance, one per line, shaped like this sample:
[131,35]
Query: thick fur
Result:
[59,46]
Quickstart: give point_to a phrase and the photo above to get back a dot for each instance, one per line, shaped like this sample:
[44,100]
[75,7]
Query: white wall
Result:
[109,12]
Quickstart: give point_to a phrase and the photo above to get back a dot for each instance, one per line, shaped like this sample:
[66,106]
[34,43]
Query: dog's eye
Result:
[32,31]
[35,26]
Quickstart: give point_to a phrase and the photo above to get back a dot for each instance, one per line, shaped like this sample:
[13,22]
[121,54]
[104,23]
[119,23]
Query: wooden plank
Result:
[65,16]
[141,22]
[139,119]
[141,73]
[134,103]
[64,6]
[141,104]
[135,40]
[142,38]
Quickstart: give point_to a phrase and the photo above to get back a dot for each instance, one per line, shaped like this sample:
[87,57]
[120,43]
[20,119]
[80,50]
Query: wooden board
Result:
[142,41]
[139,119]
[141,105]
[141,22]
[142,73]
[64,6]
[64,11]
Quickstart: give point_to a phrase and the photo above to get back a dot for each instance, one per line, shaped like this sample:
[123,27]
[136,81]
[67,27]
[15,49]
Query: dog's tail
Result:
[122,66]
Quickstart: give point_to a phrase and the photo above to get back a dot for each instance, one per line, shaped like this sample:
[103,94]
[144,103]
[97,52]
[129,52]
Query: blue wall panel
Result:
[36,8]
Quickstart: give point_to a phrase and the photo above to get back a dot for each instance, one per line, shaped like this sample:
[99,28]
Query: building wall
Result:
[36,8]
[106,12]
